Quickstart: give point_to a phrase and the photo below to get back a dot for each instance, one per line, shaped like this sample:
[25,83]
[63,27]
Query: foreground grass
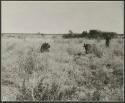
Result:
[65,73]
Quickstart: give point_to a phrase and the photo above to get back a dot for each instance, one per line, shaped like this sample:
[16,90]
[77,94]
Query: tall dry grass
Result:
[65,73]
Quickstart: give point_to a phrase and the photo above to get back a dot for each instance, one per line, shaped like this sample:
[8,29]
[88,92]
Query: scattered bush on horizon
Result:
[92,34]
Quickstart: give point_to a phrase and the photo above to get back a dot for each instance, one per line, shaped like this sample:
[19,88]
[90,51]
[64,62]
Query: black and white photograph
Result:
[62,51]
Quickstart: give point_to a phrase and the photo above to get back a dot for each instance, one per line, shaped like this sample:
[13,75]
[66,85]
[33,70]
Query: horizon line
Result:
[49,33]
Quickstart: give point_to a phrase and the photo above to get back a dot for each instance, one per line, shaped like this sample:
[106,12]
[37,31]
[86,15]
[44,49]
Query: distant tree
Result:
[71,32]
[84,34]
[69,35]
[94,33]
[109,35]
[42,34]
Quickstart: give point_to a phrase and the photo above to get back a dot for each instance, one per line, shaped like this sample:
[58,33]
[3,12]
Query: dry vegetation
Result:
[64,73]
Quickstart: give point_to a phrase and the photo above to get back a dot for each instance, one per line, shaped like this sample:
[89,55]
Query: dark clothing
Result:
[107,41]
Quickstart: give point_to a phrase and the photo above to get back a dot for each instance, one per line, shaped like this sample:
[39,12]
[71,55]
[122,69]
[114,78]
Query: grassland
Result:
[64,73]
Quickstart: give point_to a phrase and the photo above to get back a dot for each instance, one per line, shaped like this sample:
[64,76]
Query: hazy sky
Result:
[62,16]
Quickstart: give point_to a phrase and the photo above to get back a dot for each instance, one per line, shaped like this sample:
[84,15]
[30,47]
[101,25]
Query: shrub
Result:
[46,90]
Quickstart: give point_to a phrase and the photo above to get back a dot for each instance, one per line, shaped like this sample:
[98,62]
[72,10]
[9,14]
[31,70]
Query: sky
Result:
[61,16]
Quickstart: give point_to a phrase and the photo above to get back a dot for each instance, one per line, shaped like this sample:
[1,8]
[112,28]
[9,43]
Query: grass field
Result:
[64,73]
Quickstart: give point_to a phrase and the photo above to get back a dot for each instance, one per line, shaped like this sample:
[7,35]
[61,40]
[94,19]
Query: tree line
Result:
[92,34]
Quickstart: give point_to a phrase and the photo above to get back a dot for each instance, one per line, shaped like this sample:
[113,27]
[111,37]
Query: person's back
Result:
[107,41]
[45,47]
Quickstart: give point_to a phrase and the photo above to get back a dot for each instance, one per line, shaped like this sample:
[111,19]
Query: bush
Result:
[93,34]
[46,90]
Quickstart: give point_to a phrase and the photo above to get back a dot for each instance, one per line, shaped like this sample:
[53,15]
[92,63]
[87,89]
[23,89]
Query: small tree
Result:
[94,33]
[84,34]
[69,35]
[71,32]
